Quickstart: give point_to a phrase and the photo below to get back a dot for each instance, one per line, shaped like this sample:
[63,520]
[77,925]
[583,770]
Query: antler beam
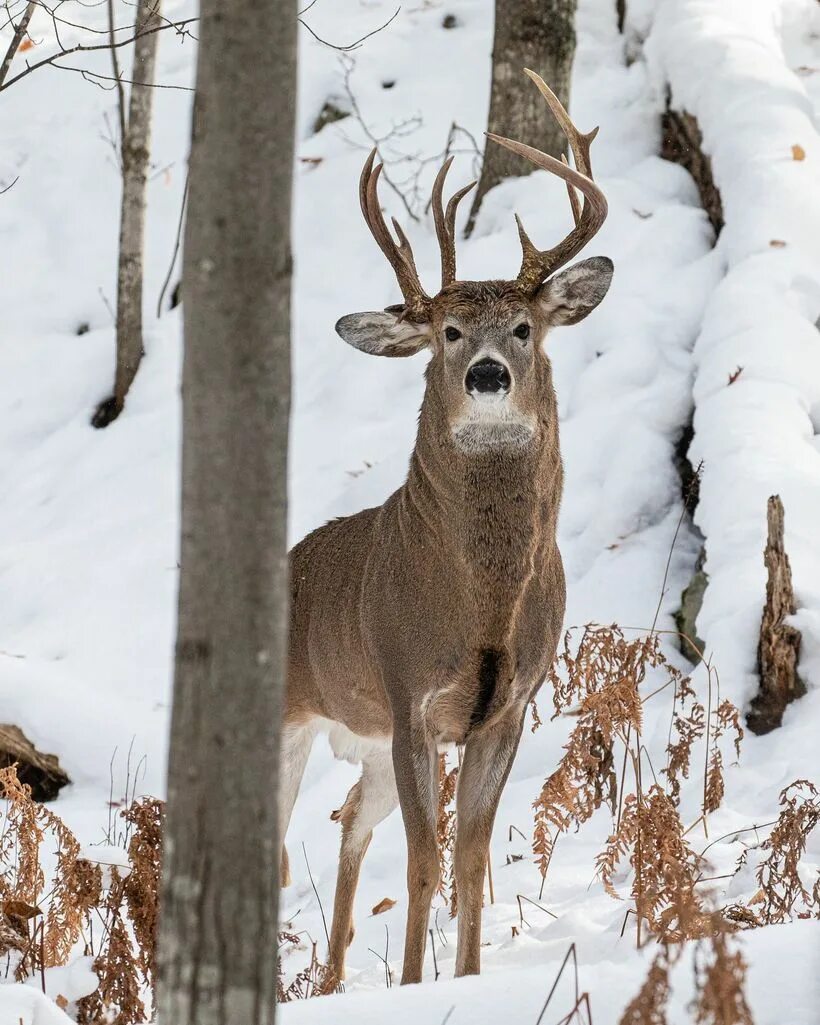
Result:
[537,264]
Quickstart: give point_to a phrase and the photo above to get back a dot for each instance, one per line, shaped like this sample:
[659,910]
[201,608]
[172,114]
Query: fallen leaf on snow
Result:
[798,153]
[384,905]
[61,1001]
[777,243]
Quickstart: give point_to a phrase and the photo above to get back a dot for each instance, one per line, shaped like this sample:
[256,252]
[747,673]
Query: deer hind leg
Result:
[486,763]
[369,802]
[296,744]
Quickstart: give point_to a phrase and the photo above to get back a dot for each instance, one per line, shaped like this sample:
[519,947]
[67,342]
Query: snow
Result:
[89,521]
[22,1005]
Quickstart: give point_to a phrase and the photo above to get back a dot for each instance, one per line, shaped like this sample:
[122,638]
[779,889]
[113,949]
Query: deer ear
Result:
[384,333]
[571,295]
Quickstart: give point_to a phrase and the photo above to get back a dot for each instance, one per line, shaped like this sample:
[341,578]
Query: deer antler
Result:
[400,256]
[446,223]
[536,264]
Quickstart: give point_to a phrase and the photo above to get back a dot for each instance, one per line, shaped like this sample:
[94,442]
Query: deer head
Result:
[489,375]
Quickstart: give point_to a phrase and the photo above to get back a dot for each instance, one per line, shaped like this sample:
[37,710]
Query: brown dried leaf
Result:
[777,243]
[798,153]
[61,1001]
[20,909]
[384,905]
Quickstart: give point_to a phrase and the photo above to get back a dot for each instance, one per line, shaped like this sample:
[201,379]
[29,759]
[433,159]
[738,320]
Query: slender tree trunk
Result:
[17,38]
[535,34]
[135,154]
[136,150]
[218,933]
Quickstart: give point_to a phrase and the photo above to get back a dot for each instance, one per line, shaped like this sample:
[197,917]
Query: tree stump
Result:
[40,771]
[779,647]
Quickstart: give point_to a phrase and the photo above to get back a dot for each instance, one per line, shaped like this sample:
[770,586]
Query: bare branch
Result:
[90,76]
[178,26]
[175,253]
[3,191]
[356,43]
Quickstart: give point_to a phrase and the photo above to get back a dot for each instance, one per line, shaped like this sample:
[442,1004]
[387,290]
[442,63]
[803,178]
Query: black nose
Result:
[487,376]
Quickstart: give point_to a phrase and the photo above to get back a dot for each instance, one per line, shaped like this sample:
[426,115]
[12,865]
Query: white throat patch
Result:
[492,421]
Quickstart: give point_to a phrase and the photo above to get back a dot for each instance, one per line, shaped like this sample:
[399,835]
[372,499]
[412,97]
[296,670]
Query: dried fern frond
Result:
[446,832]
[783,889]
[601,682]
[720,979]
[648,1006]
[142,887]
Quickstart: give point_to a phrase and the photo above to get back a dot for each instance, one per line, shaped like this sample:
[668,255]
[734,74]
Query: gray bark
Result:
[535,34]
[135,158]
[135,152]
[218,933]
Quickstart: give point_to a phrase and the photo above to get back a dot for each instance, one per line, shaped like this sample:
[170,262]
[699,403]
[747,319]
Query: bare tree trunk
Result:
[535,34]
[135,155]
[218,933]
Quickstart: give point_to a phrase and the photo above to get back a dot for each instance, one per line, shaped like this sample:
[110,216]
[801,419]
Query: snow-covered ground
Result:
[88,520]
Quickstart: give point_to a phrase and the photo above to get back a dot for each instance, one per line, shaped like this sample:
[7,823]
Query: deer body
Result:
[432,619]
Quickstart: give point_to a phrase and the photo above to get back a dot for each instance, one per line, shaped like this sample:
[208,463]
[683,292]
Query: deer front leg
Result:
[416,767]
[488,756]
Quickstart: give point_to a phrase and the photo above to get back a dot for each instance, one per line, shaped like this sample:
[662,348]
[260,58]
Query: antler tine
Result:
[578,141]
[536,265]
[400,256]
[446,222]
[574,202]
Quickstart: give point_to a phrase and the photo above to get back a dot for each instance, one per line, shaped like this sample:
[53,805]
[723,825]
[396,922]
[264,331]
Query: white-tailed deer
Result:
[433,619]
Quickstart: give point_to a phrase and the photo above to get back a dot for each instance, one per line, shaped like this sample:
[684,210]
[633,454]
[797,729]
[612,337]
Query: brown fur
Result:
[434,618]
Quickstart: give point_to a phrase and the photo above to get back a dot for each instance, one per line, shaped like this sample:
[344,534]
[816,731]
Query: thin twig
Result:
[175,253]
[90,76]
[318,898]
[83,48]
[115,65]
[570,953]
[356,43]
[436,972]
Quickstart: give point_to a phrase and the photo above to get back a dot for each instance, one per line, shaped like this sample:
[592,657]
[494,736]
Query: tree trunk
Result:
[218,933]
[535,34]
[135,154]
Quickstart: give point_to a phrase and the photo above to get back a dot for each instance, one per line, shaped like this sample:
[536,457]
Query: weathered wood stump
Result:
[40,771]
[779,647]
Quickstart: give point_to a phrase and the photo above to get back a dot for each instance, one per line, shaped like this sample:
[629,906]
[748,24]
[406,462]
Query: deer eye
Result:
[522,331]
[452,334]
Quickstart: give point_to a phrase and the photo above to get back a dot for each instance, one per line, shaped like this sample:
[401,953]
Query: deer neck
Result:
[492,512]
